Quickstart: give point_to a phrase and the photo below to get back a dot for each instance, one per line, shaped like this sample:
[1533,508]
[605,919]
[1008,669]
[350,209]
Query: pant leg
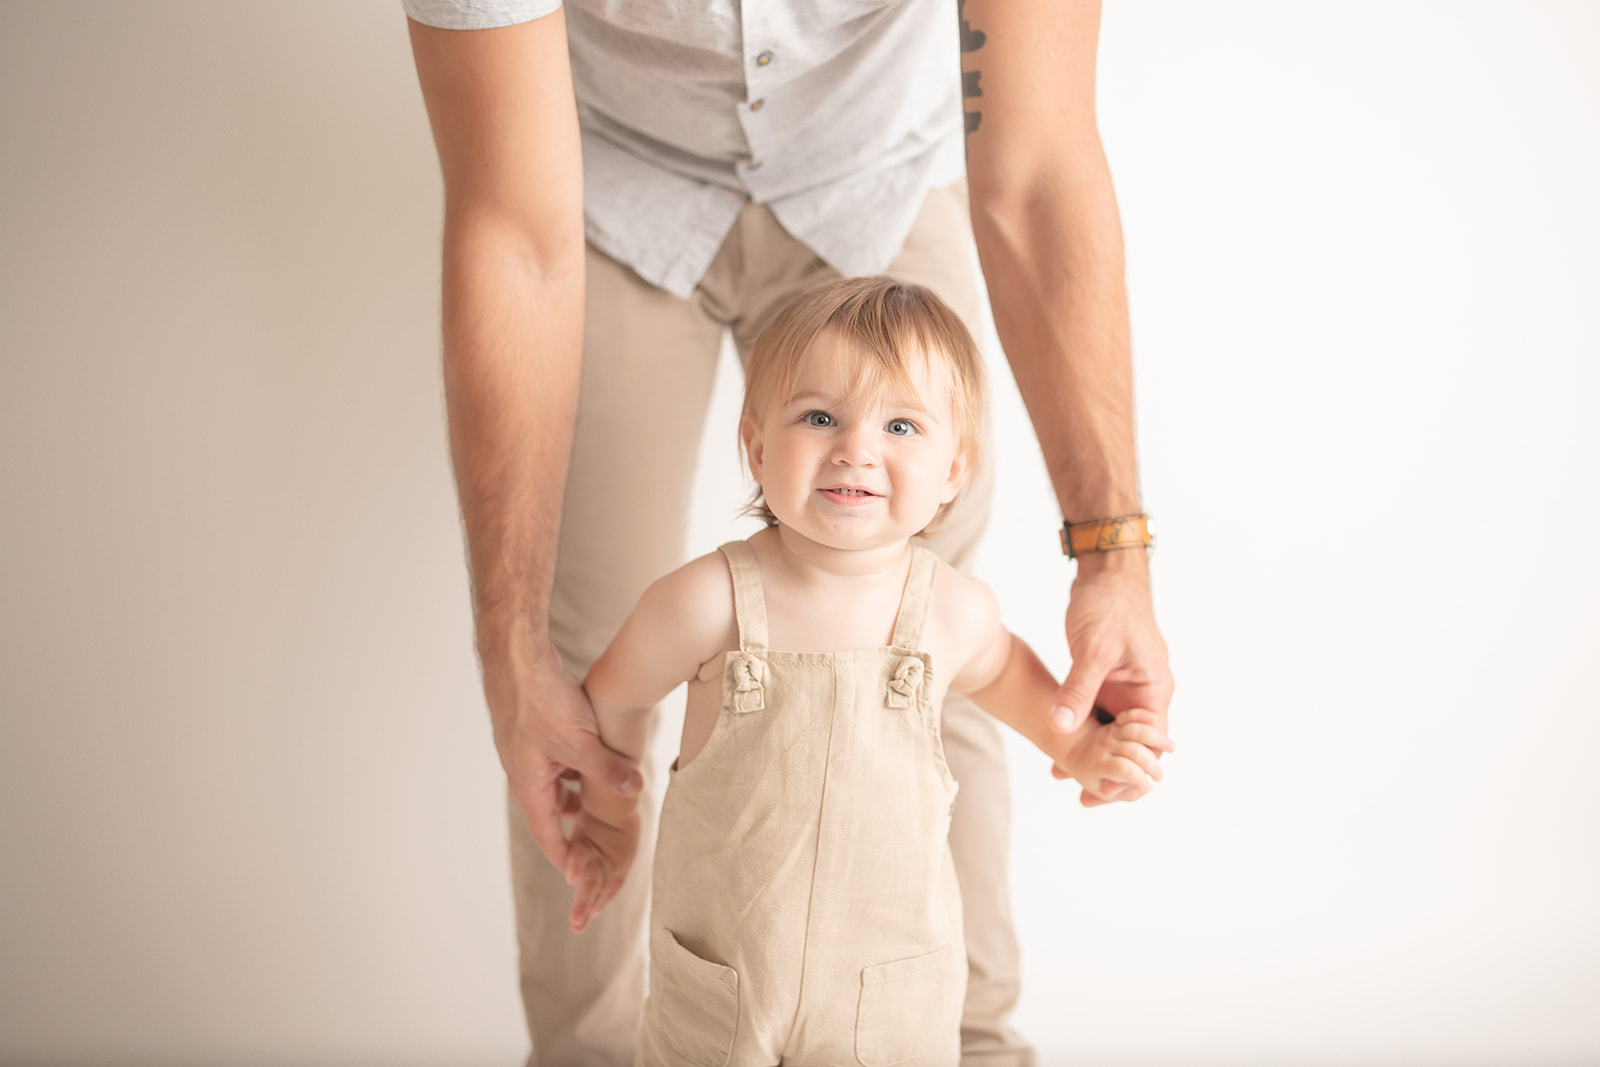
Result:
[937,253]
[648,362]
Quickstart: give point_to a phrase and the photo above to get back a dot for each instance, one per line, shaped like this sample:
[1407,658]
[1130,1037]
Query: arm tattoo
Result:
[971,41]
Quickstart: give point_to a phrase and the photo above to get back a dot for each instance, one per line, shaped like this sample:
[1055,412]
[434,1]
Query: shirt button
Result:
[755,105]
[764,58]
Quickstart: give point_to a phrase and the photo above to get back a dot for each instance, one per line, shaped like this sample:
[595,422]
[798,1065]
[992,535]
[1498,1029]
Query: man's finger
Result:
[580,917]
[599,896]
[542,810]
[602,766]
[1076,696]
[1064,718]
[583,879]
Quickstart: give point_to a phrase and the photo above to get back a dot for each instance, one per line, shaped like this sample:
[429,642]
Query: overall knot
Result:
[906,682]
[744,681]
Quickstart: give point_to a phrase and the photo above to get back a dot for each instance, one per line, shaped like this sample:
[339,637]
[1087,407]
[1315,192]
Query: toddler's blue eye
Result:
[819,418]
[901,427]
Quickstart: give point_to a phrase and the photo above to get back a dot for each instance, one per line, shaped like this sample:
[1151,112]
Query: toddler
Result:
[804,907]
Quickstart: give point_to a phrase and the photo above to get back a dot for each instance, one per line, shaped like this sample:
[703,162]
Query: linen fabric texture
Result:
[805,906]
[838,115]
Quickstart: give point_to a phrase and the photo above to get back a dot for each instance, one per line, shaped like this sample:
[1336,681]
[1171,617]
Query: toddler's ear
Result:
[750,437]
[960,468]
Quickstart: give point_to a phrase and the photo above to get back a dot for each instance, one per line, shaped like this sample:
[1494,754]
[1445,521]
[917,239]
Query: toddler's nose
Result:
[855,447]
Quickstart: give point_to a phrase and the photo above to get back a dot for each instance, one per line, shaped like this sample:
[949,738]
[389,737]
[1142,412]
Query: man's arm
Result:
[1045,219]
[505,124]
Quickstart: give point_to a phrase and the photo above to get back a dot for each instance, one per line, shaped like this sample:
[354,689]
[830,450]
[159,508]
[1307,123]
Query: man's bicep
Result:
[505,123]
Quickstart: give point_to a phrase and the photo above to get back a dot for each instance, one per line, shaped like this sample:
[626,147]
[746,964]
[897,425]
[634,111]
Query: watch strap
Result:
[1105,535]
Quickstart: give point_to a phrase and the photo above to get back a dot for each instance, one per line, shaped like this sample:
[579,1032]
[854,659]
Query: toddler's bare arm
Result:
[1006,678]
[680,622]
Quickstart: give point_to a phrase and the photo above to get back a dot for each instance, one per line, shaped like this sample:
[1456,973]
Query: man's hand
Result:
[1119,660]
[543,728]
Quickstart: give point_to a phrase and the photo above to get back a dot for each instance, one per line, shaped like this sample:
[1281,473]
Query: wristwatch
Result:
[1104,535]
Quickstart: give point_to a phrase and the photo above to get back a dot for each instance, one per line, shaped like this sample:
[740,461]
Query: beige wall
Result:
[249,810]
[246,790]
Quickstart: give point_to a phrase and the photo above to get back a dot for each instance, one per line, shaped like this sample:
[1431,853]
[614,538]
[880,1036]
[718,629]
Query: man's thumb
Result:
[610,769]
[1076,696]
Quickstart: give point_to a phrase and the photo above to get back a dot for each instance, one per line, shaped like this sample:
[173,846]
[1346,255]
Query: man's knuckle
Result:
[1097,652]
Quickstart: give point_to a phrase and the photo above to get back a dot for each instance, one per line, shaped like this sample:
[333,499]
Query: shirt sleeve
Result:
[477,14]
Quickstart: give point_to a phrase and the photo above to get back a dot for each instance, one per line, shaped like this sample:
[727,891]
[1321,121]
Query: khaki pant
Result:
[649,358]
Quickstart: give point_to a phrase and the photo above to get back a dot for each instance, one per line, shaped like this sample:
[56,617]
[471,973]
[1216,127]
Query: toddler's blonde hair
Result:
[885,324]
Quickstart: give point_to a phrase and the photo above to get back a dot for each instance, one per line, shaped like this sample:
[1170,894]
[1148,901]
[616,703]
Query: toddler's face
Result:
[853,471]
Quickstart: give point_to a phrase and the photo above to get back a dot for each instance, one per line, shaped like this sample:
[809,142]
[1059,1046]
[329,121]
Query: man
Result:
[689,168]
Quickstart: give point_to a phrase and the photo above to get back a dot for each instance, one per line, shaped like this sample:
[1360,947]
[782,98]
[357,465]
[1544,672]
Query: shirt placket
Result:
[761,60]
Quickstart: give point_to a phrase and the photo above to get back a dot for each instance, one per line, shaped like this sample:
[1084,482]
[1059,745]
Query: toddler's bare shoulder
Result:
[964,609]
[696,600]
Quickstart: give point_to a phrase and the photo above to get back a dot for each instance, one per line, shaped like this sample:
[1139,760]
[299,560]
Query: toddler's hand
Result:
[598,857]
[1116,760]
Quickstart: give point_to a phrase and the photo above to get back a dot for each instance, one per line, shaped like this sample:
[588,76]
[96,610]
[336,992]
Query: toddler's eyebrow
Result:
[911,406]
[904,403]
[812,394]
[899,402]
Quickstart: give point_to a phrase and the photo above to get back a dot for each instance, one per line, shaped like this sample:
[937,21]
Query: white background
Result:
[249,808]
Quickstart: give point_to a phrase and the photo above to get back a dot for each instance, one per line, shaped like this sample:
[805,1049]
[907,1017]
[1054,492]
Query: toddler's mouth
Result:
[848,494]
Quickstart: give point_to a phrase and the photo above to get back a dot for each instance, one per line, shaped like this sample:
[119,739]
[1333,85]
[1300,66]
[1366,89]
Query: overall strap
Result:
[749,606]
[916,598]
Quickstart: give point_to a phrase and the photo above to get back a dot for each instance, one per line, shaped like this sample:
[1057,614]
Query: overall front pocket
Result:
[693,1002]
[901,1007]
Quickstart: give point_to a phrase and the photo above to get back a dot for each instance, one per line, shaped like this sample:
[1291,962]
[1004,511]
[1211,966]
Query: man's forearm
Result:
[1053,257]
[504,120]
[1045,218]
[512,352]
[1044,215]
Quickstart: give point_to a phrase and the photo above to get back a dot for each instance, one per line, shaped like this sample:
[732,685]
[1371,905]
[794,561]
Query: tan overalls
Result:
[805,908]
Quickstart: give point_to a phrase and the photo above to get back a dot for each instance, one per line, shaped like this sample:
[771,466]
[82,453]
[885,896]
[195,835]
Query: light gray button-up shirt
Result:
[839,115]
